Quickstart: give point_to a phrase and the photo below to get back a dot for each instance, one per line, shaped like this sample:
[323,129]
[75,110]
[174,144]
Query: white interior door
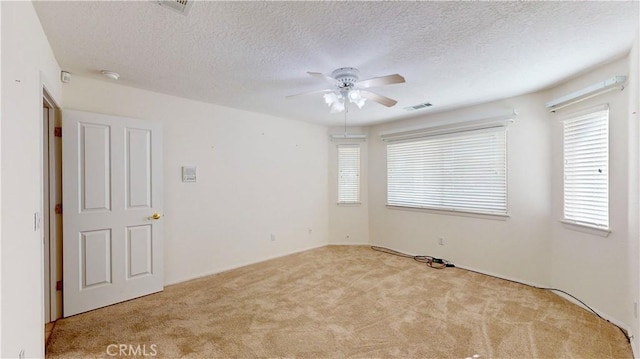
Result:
[112,177]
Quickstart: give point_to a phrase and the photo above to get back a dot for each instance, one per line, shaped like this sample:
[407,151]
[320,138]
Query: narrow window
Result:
[586,169]
[348,174]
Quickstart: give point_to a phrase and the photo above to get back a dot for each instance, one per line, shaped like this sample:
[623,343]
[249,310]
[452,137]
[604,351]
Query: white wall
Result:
[257,175]
[591,267]
[0,180]
[532,245]
[260,175]
[634,187]
[348,223]
[27,64]
[515,248]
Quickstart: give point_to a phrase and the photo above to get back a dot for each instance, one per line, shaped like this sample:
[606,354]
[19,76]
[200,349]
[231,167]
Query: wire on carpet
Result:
[437,263]
[432,262]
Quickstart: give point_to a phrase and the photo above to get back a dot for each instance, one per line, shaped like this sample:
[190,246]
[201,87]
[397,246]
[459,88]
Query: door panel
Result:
[139,251]
[138,155]
[112,176]
[94,167]
[95,251]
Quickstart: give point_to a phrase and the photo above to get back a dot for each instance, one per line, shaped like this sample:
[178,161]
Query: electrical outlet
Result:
[273,237]
[441,241]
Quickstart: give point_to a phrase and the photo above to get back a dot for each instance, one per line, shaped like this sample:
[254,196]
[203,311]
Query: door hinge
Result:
[57,131]
[59,208]
[59,285]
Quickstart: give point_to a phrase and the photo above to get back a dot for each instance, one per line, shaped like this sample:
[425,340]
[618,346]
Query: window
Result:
[461,171]
[348,174]
[586,169]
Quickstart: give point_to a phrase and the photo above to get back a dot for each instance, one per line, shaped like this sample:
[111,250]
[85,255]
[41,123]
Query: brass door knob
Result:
[155,216]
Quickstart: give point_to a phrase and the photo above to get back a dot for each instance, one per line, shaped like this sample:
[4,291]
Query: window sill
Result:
[349,204]
[492,216]
[585,228]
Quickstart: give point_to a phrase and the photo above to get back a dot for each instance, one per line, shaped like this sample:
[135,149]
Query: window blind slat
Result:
[348,174]
[586,169]
[463,171]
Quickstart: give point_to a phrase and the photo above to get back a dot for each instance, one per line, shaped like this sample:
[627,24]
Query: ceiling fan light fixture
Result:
[337,106]
[354,95]
[347,87]
[360,102]
[330,98]
[356,98]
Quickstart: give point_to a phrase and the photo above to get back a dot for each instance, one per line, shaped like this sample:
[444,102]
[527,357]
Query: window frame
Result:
[456,133]
[571,222]
[340,188]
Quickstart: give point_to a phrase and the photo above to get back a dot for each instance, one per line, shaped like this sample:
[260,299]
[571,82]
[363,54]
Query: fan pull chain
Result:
[346,109]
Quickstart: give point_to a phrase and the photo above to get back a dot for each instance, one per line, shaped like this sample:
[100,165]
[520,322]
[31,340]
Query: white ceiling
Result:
[250,55]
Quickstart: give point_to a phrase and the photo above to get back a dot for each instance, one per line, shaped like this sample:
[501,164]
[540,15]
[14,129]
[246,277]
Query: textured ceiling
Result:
[250,55]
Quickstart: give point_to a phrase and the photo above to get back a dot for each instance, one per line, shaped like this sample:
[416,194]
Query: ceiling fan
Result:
[346,86]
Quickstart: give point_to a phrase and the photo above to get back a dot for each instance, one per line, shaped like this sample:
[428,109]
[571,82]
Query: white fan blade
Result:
[324,77]
[379,81]
[378,98]
[308,93]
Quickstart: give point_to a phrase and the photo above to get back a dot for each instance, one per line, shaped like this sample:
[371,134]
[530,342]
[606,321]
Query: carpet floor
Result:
[341,302]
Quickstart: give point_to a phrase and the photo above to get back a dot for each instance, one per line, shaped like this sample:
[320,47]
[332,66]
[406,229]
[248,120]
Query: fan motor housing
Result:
[347,76]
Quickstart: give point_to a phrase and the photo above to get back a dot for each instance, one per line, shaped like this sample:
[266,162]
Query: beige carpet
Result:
[343,301]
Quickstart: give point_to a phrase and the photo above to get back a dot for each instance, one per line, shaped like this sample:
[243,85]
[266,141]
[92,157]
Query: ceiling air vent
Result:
[418,106]
[181,6]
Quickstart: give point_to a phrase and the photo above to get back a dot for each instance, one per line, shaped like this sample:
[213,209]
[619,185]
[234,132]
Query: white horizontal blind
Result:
[348,174]
[464,171]
[586,169]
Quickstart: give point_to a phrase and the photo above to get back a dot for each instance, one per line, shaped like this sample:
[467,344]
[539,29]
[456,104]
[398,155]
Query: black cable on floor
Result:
[432,262]
[423,259]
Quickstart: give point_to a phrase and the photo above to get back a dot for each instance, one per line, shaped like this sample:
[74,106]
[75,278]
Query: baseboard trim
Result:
[244,264]
[601,313]
[560,294]
[634,349]
[348,244]
[500,276]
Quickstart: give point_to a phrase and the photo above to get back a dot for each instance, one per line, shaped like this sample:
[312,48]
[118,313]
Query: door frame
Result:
[51,195]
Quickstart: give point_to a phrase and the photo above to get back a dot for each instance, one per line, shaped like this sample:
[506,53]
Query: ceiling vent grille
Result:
[418,106]
[181,6]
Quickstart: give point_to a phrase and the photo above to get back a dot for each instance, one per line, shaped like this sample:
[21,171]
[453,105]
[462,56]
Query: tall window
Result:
[348,174]
[462,171]
[586,169]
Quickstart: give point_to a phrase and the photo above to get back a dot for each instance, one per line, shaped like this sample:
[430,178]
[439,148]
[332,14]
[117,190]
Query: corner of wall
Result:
[0,179]
[573,254]
[634,191]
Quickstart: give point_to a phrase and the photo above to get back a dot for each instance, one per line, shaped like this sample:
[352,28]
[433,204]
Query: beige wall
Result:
[257,175]
[28,64]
